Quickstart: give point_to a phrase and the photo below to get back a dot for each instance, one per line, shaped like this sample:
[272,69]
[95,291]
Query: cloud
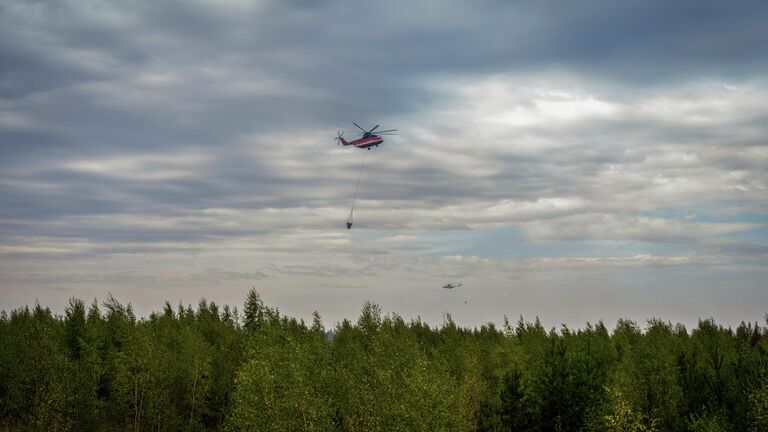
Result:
[627,227]
[542,176]
[628,136]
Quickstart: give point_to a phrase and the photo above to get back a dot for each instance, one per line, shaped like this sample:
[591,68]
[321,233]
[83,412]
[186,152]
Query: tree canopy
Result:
[210,368]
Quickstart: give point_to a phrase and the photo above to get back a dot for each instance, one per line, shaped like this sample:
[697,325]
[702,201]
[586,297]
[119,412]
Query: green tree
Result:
[758,408]
[254,311]
[284,386]
[517,412]
[647,374]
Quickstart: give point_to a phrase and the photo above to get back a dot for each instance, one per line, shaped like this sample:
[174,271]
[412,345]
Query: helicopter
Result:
[366,141]
[368,138]
[452,286]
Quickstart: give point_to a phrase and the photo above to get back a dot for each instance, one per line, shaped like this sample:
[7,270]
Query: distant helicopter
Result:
[368,139]
[452,285]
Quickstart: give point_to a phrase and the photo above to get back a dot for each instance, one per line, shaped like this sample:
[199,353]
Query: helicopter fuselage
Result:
[364,142]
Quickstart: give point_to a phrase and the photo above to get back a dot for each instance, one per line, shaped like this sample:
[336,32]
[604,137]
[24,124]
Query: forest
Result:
[99,367]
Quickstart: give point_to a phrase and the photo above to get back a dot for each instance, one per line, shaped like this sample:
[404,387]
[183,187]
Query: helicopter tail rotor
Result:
[339,139]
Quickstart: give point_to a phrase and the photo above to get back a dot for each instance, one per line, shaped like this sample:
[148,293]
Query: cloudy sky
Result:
[574,161]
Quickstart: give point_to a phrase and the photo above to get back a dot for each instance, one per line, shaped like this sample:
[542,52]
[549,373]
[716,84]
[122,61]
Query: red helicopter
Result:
[368,139]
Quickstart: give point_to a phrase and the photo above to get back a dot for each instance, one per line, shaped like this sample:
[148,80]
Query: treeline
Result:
[211,368]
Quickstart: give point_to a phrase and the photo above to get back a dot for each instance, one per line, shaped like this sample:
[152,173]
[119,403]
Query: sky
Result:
[572,161]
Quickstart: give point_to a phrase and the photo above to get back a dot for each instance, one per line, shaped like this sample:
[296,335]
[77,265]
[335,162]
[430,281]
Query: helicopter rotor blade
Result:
[358,126]
[374,128]
[385,131]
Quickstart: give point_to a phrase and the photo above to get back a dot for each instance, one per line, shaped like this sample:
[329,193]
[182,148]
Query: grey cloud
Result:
[323,270]
[740,249]
[217,274]
[521,115]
